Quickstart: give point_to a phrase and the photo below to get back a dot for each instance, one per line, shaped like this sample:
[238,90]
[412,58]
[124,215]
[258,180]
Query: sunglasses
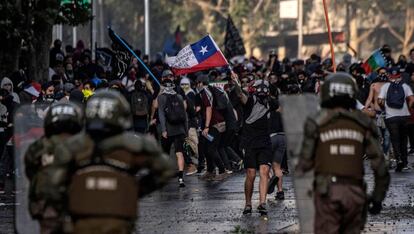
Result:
[185,85]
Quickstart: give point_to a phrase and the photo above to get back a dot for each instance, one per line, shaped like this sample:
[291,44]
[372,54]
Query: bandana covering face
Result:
[259,110]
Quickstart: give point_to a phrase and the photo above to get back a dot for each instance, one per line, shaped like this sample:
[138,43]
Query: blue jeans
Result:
[385,135]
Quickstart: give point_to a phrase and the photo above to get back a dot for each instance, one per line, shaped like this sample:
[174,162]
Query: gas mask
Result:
[262,92]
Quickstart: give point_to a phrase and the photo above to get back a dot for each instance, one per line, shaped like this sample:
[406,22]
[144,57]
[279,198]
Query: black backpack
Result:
[139,104]
[220,99]
[175,111]
[191,111]
[395,95]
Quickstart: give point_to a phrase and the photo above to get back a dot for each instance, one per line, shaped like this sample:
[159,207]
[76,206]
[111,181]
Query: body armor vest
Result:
[340,149]
[104,183]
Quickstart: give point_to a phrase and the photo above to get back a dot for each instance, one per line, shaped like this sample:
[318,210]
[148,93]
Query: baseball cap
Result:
[394,72]
[68,87]
[167,73]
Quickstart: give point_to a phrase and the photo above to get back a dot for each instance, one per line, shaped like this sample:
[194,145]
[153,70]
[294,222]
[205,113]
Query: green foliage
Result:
[74,12]
[11,20]
[196,18]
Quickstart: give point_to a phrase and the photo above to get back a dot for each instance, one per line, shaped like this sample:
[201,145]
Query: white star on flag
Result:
[203,50]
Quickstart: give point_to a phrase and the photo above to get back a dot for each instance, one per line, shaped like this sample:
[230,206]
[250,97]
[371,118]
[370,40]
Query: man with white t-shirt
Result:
[396,97]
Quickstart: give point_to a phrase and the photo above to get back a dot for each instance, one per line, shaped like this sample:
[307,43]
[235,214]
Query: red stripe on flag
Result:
[215,60]
[366,67]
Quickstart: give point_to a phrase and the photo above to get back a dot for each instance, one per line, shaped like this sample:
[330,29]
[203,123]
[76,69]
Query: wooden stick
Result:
[330,36]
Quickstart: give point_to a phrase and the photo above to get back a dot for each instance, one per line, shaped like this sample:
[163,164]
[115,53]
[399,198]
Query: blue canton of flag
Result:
[203,49]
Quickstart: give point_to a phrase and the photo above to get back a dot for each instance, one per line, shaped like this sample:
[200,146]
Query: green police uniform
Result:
[48,172]
[334,144]
[104,188]
[48,176]
[112,167]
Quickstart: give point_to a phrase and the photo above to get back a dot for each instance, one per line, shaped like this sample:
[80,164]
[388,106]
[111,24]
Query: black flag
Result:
[233,43]
[122,57]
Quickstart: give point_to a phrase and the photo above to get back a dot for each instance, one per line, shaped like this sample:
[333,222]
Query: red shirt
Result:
[217,116]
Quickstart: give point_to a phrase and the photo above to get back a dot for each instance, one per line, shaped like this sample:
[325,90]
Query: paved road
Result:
[215,207]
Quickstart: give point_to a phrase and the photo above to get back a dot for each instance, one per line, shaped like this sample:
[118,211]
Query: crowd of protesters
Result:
[202,118]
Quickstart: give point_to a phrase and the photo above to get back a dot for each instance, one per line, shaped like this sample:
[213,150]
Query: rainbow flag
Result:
[375,61]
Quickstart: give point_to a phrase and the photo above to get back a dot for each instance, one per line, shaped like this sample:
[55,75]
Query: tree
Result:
[404,29]
[29,23]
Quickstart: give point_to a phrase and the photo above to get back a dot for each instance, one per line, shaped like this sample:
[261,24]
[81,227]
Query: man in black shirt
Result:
[256,139]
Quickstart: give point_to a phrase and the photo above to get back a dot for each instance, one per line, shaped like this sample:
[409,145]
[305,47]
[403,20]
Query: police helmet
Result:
[107,111]
[339,90]
[63,118]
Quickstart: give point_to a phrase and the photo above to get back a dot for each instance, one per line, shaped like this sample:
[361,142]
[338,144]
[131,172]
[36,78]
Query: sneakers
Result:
[207,176]
[229,172]
[262,209]
[247,209]
[200,170]
[400,166]
[406,168]
[411,151]
[280,195]
[181,183]
[240,165]
[272,184]
[191,170]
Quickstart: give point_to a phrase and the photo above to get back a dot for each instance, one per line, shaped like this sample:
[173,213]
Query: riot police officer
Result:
[104,186]
[46,170]
[334,144]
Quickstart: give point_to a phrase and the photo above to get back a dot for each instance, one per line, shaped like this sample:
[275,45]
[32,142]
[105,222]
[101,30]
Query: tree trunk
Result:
[409,27]
[353,28]
[39,51]
[9,56]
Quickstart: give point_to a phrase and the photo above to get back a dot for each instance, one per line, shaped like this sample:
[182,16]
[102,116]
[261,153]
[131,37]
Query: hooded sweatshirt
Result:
[5,81]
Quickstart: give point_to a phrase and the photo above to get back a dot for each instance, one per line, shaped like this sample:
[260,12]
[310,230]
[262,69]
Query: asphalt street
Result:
[216,207]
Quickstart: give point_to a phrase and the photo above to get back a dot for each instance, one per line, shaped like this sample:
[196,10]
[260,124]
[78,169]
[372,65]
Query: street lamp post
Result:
[147,29]
[300,28]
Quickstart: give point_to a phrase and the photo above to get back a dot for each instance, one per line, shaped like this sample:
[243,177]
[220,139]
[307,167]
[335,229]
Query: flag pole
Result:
[330,35]
[139,59]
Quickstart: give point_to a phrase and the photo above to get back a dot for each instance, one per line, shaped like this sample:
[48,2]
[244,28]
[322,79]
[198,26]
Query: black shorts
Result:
[258,156]
[178,142]
[278,148]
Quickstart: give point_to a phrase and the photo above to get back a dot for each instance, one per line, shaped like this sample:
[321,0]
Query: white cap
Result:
[185,80]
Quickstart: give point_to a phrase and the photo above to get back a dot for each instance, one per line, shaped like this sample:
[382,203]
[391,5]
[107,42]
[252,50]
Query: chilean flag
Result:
[199,56]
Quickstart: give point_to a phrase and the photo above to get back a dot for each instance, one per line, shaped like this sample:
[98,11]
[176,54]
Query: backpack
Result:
[396,95]
[175,111]
[220,99]
[191,111]
[139,104]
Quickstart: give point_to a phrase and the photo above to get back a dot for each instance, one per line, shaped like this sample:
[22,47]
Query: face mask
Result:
[186,87]
[261,98]
[168,89]
[199,88]
[50,97]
